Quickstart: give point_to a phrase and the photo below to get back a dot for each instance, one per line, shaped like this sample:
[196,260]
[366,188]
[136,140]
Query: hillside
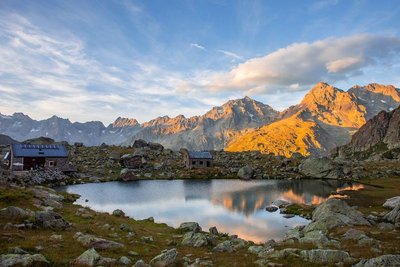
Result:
[6,140]
[325,118]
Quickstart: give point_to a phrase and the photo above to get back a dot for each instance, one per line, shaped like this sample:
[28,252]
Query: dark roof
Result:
[200,155]
[41,151]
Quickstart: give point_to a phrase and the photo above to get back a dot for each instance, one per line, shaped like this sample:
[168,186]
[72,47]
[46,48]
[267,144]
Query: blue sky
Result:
[97,60]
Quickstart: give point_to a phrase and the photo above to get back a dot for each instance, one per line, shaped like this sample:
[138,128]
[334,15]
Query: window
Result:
[51,163]
[193,162]
[201,162]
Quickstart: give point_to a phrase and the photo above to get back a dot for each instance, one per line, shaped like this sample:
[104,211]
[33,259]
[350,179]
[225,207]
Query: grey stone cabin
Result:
[197,159]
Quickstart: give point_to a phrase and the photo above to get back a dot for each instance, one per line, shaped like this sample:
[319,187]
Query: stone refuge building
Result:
[25,157]
[197,159]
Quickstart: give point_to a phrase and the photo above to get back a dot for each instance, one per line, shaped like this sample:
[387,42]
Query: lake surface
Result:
[233,206]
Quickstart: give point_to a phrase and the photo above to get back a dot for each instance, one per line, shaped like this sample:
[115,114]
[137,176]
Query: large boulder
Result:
[333,213]
[195,239]
[326,256]
[381,261]
[190,227]
[391,203]
[246,173]
[394,215]
[8,260]
[165,259]
[50,220]
[140,143]
[91,258]
[321,168]
[226,246]
[88,258]
[92,241]
[15,214]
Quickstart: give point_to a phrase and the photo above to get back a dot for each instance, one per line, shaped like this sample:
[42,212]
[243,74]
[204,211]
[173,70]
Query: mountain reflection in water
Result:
[233,206]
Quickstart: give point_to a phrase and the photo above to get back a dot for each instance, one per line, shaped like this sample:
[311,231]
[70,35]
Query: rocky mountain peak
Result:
[124,122]
[376,88]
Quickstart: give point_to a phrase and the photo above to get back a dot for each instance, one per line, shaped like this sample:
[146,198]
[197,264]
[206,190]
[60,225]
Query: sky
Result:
[98,60]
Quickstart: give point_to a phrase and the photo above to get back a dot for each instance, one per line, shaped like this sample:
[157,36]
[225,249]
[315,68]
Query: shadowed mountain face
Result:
[379,135]
[325,118]
[22,127]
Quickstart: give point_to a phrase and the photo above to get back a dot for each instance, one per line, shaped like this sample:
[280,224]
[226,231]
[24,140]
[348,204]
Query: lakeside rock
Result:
[333,213]
[246,173]
[393,216]
[391,203]
[321,168]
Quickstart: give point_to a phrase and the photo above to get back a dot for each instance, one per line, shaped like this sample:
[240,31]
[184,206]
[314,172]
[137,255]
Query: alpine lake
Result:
[236,207]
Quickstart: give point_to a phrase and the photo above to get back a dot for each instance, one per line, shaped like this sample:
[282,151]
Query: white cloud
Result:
[322,4]
[332,59]
[230,54]
[197,46]
[343,64]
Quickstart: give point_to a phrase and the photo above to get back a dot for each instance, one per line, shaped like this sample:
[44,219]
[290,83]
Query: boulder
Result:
[140,263]
[165,259]
[213,230]
[280,203]
[155,146]
[381,261]
[50,220]
[15,214]
[88,258]
[125,261]
[96,242]
[118,213]
[140,143]
[225,246]
[8,260]
[271,208]
[326,256]
[353,234]
[190,227]
[385,226]
[321,168]
[255,249]
[195,239]
[333,213]
[391,203]
[393,216]
[246,173]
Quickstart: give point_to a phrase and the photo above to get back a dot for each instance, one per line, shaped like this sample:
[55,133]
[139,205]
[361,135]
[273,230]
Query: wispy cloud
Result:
[44,74]
[230,54]
[322,4]
[197,46]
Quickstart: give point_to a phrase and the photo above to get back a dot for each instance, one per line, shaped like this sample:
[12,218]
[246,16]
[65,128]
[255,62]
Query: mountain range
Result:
[325,118]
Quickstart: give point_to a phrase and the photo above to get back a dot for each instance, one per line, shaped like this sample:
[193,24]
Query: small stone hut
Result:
[197,159]
[25,157]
